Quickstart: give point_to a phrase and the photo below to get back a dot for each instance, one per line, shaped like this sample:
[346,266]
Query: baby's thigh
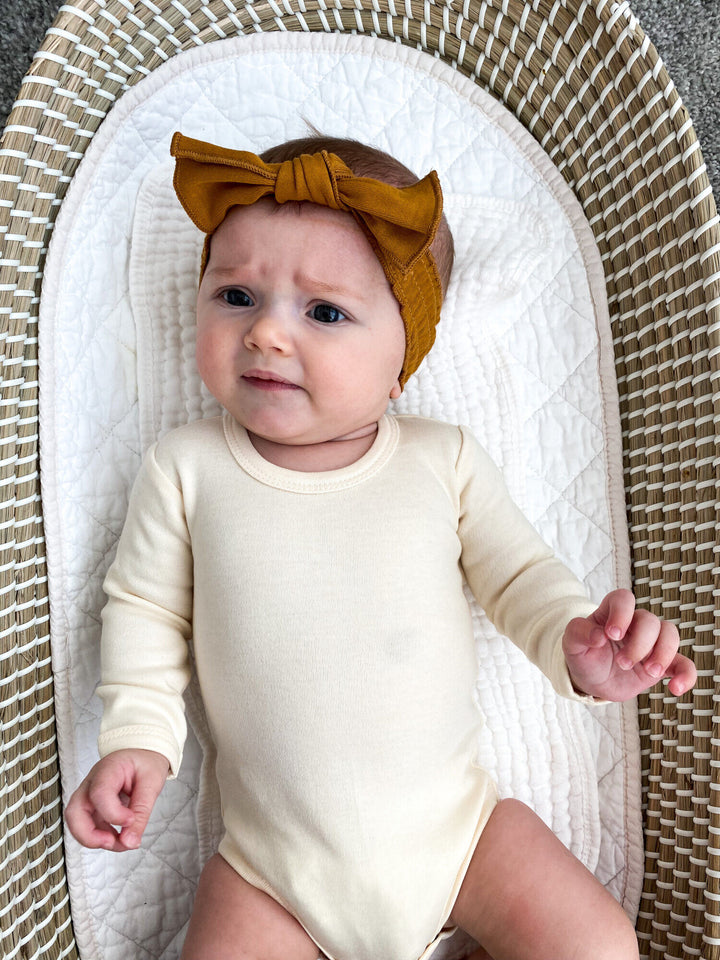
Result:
[232,920]
[526,896]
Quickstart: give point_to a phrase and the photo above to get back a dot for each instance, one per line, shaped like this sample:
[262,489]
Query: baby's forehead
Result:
[268,210]
[316,238]
[267,223]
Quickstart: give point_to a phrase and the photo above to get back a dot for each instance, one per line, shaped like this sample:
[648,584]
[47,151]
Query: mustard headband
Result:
[399,222]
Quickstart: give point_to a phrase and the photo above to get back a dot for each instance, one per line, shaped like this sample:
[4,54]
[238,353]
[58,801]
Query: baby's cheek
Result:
[202,353]
[212,354]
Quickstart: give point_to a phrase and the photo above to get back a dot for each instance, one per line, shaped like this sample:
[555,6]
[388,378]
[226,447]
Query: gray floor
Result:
[685,32]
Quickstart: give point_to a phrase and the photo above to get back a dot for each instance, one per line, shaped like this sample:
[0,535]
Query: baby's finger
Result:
[657,662]
[80,823]
[105,835]
[581,634]
[141,805]
[87,827]
[683,675]
[616,613]
[641,638]
[105,794]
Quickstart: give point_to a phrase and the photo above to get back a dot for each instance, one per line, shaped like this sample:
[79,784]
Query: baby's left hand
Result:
[619,651]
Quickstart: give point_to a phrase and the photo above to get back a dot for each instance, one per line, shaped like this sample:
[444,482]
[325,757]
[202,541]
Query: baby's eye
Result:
[237,298]
[326,313]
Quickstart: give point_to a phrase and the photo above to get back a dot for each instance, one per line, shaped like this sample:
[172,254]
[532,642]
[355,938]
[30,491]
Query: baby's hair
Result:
[365,161]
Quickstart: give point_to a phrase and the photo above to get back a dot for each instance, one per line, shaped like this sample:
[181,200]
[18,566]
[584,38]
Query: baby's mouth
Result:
[265,380]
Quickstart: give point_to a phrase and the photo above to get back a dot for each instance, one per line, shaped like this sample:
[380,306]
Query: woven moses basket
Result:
[583,78]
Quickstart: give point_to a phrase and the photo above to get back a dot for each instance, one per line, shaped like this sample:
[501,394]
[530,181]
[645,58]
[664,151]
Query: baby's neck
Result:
[317,457]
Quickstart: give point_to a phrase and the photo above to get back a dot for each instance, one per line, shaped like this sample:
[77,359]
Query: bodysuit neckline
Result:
[298,481]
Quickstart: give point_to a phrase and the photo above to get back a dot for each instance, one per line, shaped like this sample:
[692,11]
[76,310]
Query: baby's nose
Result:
[270,330]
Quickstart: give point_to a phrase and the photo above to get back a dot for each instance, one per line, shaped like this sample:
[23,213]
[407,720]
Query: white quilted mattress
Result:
[523,356]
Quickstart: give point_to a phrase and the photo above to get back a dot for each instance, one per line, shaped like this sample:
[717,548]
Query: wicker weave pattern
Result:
[579,74]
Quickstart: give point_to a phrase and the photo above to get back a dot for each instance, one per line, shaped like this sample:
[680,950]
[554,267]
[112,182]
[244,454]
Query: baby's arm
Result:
[610,652]
[120,791]
[146,623]
[620,651]
[527,593]
[145,667]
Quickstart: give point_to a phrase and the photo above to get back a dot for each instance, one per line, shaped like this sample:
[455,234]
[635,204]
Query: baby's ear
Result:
[396,390]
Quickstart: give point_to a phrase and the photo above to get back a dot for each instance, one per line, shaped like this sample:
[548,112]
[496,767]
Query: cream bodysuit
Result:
[335,654]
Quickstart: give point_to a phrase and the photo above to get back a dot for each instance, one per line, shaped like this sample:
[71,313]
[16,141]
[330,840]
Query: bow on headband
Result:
[399,222]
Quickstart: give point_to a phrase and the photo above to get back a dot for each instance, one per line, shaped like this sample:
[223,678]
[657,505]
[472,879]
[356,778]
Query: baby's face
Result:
[299,335]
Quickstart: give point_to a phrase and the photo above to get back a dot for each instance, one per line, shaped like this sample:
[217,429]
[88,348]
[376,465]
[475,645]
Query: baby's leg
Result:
[232,920]
[526,897]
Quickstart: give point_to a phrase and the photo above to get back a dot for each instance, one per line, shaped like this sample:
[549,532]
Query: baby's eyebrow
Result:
[222,273]
[335,289]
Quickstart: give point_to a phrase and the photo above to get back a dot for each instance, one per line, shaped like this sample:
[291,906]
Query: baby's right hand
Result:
[120,789]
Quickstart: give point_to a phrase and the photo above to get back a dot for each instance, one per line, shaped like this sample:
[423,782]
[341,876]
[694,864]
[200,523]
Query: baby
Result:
[314,549]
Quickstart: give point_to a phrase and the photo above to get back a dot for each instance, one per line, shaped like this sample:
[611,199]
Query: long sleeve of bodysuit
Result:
[529,595]
[145,666]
